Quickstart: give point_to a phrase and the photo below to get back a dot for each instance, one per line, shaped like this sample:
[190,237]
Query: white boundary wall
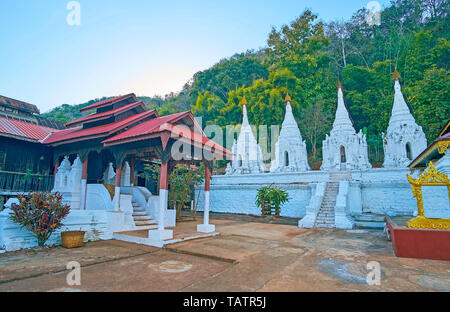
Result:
[375,191]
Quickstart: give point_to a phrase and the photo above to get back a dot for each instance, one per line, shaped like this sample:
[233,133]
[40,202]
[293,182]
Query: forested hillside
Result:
[307,57]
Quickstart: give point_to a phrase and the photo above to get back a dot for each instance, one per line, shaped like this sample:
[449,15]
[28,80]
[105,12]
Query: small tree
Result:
[271,198]
[182,180]
[40,213]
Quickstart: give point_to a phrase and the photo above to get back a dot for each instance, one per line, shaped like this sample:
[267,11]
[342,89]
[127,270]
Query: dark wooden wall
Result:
[18,156]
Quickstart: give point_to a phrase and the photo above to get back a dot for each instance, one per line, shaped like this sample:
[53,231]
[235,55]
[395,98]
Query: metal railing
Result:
[24,182]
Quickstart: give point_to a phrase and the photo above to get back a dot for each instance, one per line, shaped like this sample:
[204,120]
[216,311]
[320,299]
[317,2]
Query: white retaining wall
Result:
[97,224]
[376,191]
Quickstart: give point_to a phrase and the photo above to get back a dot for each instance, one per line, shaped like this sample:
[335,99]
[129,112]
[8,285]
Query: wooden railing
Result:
[24,182]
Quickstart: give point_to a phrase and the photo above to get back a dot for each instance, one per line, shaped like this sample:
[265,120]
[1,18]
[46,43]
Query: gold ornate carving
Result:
[432,177]
[426,223]
[442,146]
[111,190]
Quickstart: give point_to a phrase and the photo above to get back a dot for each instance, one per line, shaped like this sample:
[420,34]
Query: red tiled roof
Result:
[78,133]
[147,127]
[106,114]
[108,102]
[192,136]
[166,123]
[24,130]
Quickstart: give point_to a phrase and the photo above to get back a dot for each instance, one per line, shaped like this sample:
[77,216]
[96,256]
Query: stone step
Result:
[147,227]
[139,210]
[325,218]
[325,215]
[324,226]
[142,218]
[139,213]
[146,222]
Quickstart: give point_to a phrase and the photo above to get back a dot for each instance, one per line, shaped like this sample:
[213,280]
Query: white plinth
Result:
[159,235]
[206,228]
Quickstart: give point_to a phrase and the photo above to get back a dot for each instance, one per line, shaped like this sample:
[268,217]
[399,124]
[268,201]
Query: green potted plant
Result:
[40,213]
[270,199]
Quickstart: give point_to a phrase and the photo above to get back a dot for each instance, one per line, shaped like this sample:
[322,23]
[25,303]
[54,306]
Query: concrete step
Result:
[369,221]
[325,215]
[142,218]
[139,213]
[325,218]
[147,227]
[146,222]
[324,226]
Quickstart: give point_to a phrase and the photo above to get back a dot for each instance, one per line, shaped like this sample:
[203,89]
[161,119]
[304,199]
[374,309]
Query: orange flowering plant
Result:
[40,213]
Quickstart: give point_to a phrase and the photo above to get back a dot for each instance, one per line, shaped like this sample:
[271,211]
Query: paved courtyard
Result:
[248,256]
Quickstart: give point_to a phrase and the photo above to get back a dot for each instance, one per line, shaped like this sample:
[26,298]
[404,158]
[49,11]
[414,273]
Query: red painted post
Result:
[55,172]
[163,180]
[207,177]
[118,175]
[84,183]
[85,166]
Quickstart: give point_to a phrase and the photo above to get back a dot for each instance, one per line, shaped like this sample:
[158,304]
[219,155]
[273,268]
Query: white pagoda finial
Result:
[400,110]
[289,116]
[244,112]
[290,149]
[342,121]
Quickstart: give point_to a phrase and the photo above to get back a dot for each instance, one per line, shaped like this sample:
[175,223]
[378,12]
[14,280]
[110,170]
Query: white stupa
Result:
[344,148]
[404,139]
[247,155]
[290,149]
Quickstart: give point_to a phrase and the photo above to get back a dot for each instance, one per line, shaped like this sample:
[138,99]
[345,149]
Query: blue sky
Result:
[143,46]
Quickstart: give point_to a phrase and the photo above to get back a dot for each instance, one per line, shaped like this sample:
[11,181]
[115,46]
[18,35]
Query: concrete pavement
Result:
[247,256]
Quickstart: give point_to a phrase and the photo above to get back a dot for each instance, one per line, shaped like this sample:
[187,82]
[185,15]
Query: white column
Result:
[161,233]
[83,194]
[206,227]
[163,202]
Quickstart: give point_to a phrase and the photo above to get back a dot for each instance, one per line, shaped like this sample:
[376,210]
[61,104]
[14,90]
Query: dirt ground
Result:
[249,255]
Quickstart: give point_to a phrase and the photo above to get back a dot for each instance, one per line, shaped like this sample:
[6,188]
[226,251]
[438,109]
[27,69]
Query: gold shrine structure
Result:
[432,177]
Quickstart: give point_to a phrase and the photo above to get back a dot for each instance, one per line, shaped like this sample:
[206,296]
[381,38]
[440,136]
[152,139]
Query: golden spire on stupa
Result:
[339,84]
[396,74]
[243,101]
[287,98]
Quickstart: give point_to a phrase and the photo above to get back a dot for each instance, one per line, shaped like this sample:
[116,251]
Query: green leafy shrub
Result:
[270,199]
[40,213]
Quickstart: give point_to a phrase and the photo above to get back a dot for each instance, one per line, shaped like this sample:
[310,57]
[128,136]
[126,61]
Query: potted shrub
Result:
[270,199]
[40,213]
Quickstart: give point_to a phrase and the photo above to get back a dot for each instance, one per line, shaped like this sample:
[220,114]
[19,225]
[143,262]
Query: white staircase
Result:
[326,217]
[141,218]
